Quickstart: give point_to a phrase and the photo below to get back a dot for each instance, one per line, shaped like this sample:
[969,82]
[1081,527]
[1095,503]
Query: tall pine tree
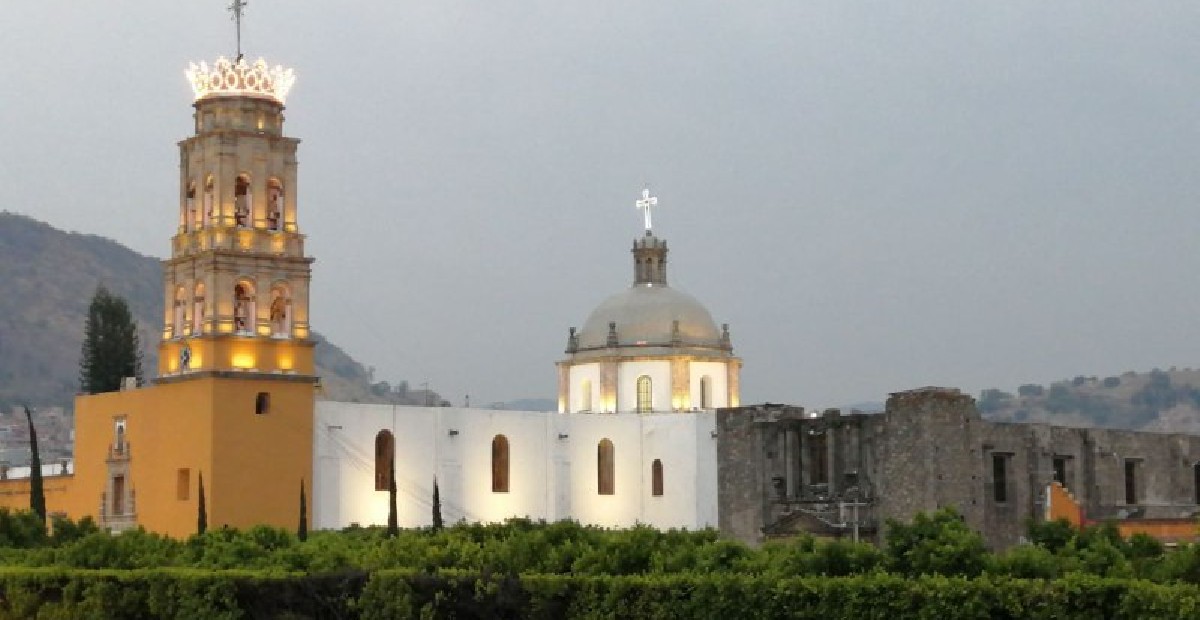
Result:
[393,528]
[37,490]
[302,530]
[437,506]
[201,510]
[111,350]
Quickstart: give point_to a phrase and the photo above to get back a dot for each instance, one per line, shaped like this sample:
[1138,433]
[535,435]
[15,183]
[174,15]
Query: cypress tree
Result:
[111,350]
[302,530]
[201,511]
[393,528]
[37,490]
[437,507]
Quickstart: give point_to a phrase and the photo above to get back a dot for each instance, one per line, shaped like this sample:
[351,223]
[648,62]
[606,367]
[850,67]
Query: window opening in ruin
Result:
[1060,470]
[818,459]
[500,464]
[1196,480]
[1131,490]
[385,452]
[605,465]
[262,403]
[1000,478]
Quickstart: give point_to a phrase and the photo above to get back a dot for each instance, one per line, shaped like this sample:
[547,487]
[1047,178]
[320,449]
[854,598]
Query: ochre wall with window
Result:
[252,464]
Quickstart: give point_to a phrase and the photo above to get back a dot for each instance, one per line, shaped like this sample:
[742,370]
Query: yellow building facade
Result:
[233,401]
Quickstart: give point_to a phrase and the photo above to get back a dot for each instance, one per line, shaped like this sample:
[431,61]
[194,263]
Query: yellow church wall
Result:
[14,494]
[168,429]
[260,460]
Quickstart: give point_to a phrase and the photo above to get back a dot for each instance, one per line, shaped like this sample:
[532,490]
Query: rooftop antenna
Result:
[237,8]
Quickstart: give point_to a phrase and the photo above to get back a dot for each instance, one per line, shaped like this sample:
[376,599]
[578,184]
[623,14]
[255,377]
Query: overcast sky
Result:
[876,196]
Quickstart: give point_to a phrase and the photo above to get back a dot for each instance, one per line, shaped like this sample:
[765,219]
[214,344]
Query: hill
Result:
[1160,400]
[48,277]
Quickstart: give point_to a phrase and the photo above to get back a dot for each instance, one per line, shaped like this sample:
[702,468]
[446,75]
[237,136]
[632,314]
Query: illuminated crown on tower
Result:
[226,78]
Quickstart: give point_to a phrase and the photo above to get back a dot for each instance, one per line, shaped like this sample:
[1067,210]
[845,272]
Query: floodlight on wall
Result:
[563,435]
[452,432]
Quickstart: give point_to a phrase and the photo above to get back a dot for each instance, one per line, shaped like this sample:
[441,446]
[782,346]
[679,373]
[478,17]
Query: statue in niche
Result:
[275,209]
[279,314]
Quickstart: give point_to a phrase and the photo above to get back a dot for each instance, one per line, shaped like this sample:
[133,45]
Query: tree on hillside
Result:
[37,490]
[111,350]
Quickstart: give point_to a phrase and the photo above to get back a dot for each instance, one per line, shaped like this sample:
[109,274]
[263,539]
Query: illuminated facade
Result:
[233,403]
[649,348]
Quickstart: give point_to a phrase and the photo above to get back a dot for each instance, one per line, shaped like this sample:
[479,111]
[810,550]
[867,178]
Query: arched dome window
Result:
[706,392]
[585,396]
[605,468]
[281,311]
[385,455]
[500,464]
[198,309]
[243,307]
[209,204]
[656,478]
[243,211]
[180,312]
[645,394]
[274,205]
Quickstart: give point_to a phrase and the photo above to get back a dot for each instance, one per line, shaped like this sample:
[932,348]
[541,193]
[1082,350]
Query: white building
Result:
[634,440]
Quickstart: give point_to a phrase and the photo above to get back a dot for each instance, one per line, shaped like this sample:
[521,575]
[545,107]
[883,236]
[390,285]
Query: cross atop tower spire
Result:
[237,8]
[645,203]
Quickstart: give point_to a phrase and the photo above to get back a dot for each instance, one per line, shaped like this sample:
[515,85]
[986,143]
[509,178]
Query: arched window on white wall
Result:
[656,478]
[243,307]
[706,392]
[385,458]
[281,310]
[243,212]
[605,468]
[645,394]
[180,310]
[500,464]
[274,205]
[585,395]
[198,309]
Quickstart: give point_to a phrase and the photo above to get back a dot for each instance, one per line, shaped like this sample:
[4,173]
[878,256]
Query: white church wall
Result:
[553,466]
[578,374]
[716,372]
[659,372]
[623,507]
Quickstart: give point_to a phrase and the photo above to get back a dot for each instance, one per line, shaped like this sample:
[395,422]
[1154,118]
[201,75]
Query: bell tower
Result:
[236,286]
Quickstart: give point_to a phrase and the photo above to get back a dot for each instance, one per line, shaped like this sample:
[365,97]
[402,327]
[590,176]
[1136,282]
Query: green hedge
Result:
[174,593]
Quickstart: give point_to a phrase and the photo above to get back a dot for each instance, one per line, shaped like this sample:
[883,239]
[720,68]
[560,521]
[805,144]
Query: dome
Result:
[646,314]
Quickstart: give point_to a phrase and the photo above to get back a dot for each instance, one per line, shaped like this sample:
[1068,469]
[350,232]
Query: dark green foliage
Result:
[1051,535]
[110,345]
[201,509]
[937,544]
[37,489]
[437,507]
[302,529]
